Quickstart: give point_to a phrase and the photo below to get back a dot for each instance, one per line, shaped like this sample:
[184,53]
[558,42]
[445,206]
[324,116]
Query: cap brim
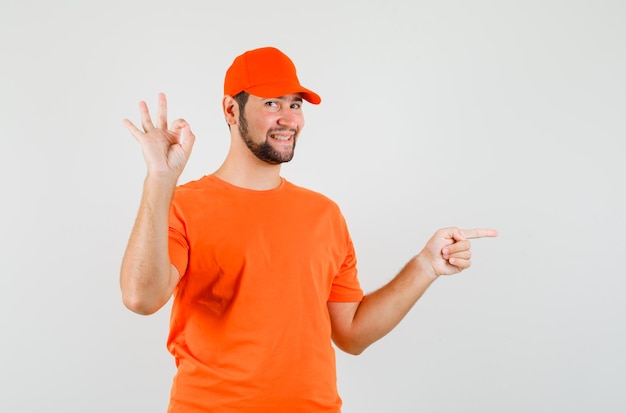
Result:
[274,90]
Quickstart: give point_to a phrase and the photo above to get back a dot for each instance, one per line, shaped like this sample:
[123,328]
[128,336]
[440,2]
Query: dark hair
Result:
[241,98]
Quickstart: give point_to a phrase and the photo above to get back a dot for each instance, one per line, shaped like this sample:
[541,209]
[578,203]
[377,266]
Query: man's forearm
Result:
[146,277]
[380,311]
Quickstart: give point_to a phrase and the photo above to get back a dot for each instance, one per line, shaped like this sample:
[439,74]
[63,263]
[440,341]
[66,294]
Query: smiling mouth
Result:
[282,138]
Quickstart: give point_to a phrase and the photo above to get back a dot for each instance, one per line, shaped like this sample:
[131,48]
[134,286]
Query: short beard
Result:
[264,151]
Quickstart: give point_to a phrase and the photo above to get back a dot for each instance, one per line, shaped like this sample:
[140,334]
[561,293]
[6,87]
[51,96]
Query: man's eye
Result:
[271,104]
[296,105]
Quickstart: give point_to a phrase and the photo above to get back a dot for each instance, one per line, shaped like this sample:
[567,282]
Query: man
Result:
[263,272]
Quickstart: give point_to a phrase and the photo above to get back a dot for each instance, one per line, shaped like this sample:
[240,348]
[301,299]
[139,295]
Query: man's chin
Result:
[278,156]
[279,160]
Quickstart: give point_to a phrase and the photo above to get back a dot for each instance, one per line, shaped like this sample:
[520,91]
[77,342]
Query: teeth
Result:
[281,137]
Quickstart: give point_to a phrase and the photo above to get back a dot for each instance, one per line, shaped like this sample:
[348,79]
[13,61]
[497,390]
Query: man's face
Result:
[270,127]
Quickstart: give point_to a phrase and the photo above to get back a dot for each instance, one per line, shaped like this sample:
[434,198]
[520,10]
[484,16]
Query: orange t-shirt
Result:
[250,329]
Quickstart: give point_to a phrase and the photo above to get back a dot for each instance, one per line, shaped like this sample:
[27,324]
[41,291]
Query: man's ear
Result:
[231,110]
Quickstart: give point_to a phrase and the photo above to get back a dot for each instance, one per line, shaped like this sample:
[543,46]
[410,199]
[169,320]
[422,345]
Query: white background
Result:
[503,114]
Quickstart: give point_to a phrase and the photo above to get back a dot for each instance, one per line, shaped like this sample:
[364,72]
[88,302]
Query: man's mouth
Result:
[281,137]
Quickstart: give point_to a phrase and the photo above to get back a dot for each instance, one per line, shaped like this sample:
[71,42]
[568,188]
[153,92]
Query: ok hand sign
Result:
[165,151]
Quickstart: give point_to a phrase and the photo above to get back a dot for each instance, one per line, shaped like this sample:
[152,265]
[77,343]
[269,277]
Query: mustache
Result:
[292,130]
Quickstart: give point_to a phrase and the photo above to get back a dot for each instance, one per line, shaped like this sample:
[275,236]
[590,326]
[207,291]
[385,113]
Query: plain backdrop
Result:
[503,114]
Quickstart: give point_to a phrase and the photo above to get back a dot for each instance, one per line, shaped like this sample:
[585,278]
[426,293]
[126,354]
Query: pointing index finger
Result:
[479,233]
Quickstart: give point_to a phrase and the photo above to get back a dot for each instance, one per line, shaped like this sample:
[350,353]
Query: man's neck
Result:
[257,175]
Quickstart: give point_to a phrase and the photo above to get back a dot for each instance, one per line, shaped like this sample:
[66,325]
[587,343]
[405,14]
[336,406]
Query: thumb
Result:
[458,235]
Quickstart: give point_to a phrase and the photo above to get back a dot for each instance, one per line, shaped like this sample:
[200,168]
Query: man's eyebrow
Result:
[294,99]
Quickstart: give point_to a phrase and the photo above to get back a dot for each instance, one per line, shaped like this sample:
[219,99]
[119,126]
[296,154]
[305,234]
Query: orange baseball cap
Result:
[266,72]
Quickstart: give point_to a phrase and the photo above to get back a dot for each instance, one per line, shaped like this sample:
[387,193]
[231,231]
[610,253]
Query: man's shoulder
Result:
[191,192]
[199,183]
[309,195]
[199,187]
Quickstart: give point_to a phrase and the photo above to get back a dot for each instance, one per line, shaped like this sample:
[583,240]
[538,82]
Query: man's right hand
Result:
[165,150]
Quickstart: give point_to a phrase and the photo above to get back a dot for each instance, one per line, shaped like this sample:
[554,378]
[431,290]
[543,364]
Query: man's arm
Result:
[357,325]
[147,278]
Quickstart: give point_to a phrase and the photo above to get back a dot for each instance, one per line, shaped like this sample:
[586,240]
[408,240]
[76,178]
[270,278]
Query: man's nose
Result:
[287,118]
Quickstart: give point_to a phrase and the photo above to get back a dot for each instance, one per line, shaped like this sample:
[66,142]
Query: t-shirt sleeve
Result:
[346,286]
[178,245]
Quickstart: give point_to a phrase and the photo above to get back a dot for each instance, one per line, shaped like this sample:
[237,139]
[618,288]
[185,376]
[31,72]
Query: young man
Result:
[263,272]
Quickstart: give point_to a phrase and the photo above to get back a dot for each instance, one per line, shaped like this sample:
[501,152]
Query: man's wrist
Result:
[161,179]
[423,268]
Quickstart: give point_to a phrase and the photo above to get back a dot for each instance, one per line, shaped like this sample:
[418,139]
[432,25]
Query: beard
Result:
[264,150]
